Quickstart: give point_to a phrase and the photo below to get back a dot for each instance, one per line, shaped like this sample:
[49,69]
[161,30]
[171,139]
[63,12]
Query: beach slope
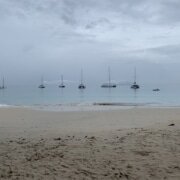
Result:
[136,143]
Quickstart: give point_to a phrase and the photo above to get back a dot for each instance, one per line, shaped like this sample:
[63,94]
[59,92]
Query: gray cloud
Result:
[167,50]
[73,11]
[169,11]
[38,34]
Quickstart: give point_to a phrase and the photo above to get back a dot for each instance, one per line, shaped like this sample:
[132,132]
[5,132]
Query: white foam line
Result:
[5,106]
[71,107]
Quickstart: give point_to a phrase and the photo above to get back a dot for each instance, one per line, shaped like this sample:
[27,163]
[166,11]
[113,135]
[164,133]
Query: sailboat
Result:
[62,84]
[3,86]
[42,86]
[135,85]
[81,85]
[109,84]
[156,89]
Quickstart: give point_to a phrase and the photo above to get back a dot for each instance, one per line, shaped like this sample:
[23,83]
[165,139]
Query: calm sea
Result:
[169,95]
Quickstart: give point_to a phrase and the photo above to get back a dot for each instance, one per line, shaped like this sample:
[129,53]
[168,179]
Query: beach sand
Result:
[137,143]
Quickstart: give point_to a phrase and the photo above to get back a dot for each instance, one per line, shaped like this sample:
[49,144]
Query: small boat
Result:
[109,84]
[3,86]
[42,86]
[156,90]
[135,85]
[81,85]
[62,84]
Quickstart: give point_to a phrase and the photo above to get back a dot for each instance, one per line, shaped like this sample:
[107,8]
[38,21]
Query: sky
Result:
[54,37]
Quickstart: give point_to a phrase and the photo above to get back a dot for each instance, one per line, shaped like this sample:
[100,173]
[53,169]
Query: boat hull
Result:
[135,86]
[108,86]
[81,86]
[41,86]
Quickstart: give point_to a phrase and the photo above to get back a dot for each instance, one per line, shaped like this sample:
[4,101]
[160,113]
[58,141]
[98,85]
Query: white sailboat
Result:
[62,83]
[109,84]
[135,85]
[81,85]
[42,86]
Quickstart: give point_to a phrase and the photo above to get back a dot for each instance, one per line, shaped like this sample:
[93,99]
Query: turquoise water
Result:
[52,95]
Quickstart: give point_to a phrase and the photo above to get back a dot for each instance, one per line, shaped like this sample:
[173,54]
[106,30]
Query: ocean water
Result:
[52,95]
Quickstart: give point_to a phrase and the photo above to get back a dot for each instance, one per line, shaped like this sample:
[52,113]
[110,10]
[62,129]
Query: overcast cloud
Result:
[51,37]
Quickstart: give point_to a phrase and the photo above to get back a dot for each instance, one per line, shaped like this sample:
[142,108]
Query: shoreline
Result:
[96,106]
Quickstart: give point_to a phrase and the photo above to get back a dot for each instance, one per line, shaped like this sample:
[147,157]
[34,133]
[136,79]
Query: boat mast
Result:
[3,86]
[62,79]
[134,75]
[109,74]
[42,80]
[81,76]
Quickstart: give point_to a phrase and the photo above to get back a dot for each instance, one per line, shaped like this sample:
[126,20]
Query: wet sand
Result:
[137,143]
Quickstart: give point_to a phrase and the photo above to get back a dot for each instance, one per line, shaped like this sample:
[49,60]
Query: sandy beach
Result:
[133,143]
